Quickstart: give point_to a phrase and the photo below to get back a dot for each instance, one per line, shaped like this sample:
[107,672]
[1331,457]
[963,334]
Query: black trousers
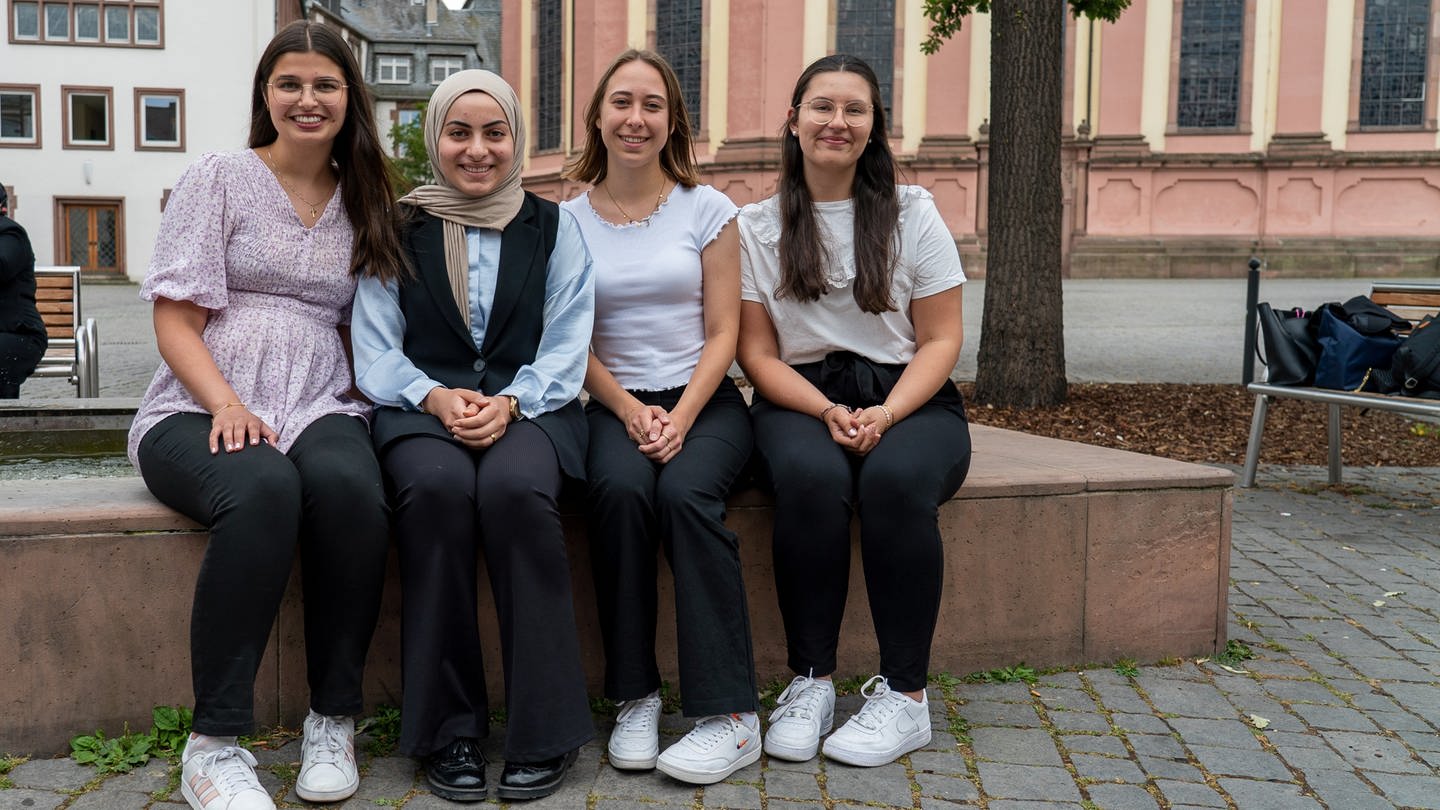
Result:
[325,495]
[450,503]
[637,505]
[897,490]
[19,355]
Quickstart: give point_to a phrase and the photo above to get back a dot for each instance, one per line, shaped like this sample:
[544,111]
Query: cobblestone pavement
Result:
[1334,590]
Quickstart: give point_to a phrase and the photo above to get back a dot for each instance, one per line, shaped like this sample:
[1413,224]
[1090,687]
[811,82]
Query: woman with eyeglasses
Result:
[669,431]
[849,327]
[475,363]
[251,425]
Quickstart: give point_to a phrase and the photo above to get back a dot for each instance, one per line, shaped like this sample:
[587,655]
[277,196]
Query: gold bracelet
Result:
[826,410]
[217,411]
[889,417]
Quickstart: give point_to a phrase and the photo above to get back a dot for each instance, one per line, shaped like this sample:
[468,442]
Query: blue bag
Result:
[1346,355]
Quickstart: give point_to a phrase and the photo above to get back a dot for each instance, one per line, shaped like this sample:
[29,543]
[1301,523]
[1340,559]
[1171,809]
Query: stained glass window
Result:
[1393,63]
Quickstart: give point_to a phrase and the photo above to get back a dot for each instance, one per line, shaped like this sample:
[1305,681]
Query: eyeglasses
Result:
[289,91]
[822,111]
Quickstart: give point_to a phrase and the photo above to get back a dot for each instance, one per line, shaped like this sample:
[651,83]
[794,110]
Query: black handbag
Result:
[1291,348]
[1415,368]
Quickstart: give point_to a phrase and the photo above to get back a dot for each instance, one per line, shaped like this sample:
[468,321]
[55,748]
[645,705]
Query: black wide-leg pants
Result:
[637,506]
[451,503]
[897,490]
[325,495]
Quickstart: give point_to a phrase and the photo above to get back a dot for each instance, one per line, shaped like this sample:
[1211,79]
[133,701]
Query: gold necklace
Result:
[658,197]
[314,207]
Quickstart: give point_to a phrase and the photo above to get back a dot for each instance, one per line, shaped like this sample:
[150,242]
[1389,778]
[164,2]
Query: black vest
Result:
[18,314]
[439,344]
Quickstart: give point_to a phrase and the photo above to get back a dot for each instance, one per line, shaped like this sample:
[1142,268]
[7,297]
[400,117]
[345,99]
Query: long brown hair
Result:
[365,180]
[677,159]
[803,254]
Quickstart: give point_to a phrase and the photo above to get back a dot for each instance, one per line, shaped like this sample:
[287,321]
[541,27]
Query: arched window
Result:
[866,28]
[677,38]
[1393,65]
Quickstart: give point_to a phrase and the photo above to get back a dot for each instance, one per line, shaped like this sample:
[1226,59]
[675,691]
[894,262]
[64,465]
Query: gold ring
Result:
[494,436]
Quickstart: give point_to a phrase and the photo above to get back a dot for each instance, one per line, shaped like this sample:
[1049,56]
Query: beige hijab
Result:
[456,209]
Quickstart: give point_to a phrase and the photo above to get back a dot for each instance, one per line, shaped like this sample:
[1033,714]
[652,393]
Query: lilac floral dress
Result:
[231,242]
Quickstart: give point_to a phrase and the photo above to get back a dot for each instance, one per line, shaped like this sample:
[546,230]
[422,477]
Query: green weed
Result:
[166,739]
[1015,674]
[1234,653]
[1126,668]
[383,730]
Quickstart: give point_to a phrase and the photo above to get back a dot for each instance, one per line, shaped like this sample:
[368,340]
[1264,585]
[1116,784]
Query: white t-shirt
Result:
[928,263]
[649,302]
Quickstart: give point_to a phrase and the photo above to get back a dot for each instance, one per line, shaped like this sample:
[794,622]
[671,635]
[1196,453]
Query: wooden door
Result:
[91,237]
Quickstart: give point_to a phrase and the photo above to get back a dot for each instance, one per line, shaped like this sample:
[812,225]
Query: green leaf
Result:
[166,718]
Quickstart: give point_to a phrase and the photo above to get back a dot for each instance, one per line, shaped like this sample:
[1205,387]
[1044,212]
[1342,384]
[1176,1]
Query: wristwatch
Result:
[515,415]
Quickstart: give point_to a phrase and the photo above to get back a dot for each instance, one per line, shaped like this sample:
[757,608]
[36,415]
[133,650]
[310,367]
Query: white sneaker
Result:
[635,742]
[887,727]
[718,746]
[327,759]
[806,711]
[223,780]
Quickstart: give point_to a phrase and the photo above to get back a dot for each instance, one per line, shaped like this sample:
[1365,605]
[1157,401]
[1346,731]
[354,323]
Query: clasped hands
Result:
[657,433]
[476,420]
[857,430]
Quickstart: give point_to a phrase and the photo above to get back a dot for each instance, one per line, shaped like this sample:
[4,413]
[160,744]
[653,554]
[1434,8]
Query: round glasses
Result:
[289,91]
[822,111]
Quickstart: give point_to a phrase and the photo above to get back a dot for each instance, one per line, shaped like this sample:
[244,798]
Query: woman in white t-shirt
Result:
[850,325]
[669,431]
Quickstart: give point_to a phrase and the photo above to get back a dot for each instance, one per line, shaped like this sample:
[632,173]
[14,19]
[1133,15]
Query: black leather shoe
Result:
[533,780]
[457,771]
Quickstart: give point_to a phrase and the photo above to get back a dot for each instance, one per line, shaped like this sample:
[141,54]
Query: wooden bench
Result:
[74,350]
[1409,300]
[1056,553]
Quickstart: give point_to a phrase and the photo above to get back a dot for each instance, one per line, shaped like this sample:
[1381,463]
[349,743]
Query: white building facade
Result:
[103,103]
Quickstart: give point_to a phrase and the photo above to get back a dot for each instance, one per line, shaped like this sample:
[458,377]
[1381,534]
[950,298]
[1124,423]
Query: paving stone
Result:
[1391,669]
[26,799]
[110,801]
[947,787]
[990,713]
[1421,740]
[1017,692]
[151,777]
[1005,781]
[1227,733]
[784,804]
[1408,791]
[1301,692]
[1157,745]
[1015,745]
[641,785]
[942,740]
[726,795]
[1106,769]
[1250,795]
[1079,721]
[387,778]
[1073,700]
[1095,744]
[1121,797]
[886,785]
[1311,760]
[1283,669]
[791,785]
[52,774]
[936,762]
[1145,723]
[1399,721]
[1170,769]
[1334,717]
[1196,794]
[1008,804]
[1184,698]
[1372,752]
[1343,789]
[1240,762]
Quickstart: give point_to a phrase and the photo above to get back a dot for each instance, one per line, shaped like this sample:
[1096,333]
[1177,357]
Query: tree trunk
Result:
[1022,341]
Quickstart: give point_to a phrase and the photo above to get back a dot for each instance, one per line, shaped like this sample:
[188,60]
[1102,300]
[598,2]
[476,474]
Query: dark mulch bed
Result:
[1211,423]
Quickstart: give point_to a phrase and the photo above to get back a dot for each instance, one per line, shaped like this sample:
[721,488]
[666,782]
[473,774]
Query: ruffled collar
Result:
[764,220]
[639,223]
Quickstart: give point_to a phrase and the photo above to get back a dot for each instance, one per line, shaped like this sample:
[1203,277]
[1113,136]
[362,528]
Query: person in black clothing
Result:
[22,333]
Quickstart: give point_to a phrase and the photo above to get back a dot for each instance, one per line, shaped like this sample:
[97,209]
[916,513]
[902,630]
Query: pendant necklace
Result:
[314,207]
[658,197]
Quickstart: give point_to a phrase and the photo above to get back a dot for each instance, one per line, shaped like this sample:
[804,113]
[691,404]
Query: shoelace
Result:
[227,768]
[638,715]
[329,742]
[711,731]
[880,704]
[800,699]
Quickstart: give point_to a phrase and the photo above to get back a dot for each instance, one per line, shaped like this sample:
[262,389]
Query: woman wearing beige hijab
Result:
[475,364]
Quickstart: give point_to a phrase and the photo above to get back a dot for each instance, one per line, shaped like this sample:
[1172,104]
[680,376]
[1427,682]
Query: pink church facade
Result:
[1299,173]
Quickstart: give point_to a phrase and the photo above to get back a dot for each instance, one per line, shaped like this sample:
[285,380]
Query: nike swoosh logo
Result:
[907,724]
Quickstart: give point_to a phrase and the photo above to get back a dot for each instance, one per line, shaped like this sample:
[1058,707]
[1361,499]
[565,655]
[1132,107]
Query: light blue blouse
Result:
[388,377]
